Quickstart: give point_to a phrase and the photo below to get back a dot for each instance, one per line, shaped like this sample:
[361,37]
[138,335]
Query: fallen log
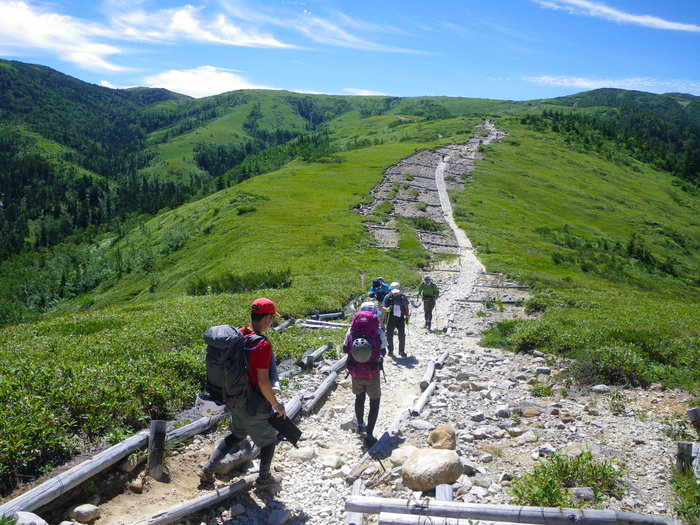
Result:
[187,508]
[489,301]
[441,244]
[428,376]
[337,366]
[330,315]
[501,286]
[319,393]
[325,323]
[292,407]
[51,489]
[310,357]
[284,326]
[378,449]
[423,399]
[500,513]
[355,518]
[441,360]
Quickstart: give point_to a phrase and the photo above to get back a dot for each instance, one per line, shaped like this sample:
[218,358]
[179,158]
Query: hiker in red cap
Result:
[249,416]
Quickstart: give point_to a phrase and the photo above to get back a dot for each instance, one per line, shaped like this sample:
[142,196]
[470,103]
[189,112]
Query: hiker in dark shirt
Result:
[378,290]
[395,307]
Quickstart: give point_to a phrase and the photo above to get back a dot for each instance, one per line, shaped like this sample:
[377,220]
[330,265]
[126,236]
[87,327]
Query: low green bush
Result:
[546,485]
[618,365]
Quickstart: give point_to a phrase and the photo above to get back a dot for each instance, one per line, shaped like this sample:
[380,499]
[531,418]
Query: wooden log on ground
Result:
[194,428]
[187,508]
[441,244]
[320,392]
[423,399]
[684,456]
[500,513]
[694,416]
[355,518]
[428,376]
[292,407]
[309,358]
[62,483]
[502,286]
[325,324]
[489,301]
[450,320]
[444,492]
[380,447]
[156,449]
[330,315]
[381,247]
[441,360]
[337,366]
[284,326]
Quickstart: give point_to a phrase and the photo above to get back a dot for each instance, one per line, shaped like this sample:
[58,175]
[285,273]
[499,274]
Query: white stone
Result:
[84,513]
[27,518]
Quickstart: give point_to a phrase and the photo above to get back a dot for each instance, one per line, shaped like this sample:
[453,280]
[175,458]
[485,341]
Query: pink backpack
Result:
[364,325]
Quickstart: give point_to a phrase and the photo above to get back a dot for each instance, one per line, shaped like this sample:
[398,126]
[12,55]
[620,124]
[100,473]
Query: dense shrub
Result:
[611,365]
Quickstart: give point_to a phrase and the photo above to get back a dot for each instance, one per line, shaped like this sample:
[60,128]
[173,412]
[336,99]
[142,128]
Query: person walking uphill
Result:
[378,290]
[364,346]
[429,290]
[250,410]
[395,306]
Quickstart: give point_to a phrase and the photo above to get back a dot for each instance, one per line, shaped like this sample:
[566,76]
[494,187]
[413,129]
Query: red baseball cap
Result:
[263,306]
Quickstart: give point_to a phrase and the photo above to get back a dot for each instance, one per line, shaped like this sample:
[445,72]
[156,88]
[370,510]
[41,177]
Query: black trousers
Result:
[400,324]
[428,306]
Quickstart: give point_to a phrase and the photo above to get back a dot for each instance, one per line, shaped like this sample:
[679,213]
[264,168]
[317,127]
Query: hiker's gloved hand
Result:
[407,318]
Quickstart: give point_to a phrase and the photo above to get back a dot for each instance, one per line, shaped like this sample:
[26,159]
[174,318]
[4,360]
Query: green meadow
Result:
[612,250]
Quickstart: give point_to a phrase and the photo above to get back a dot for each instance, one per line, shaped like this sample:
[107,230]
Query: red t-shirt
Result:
[260,356]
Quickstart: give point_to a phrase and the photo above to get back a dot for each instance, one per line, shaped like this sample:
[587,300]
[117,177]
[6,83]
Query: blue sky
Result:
[499,49]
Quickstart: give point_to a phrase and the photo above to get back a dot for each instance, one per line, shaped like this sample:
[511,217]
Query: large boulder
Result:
[401,454]
[425,469]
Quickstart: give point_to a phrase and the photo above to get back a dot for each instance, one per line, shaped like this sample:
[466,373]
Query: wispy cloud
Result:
[336,30]
[652,85]
[363,92]
[27,28]
[189,23]
[201,82]
[599,10]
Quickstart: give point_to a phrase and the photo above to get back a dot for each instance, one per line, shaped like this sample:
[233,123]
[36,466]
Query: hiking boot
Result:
[369,440]
[206,476]
[269,483]
[402,354]
[361,427]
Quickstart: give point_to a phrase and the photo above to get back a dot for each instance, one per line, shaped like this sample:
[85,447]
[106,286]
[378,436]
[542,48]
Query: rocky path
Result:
[485,394]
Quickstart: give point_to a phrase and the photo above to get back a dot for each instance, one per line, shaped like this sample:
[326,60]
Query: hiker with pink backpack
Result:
[365,346]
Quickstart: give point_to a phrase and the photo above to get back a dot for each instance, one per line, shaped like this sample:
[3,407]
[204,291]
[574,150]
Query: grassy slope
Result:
[531,180]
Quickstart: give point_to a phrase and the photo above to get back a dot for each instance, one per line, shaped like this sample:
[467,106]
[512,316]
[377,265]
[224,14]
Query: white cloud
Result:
[189,23]
[24,27]
[363,92]
[599,10]
[203,81]
[635,83]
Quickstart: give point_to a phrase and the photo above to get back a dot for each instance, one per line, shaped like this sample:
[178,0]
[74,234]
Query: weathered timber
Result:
[381,247]
[423,399]
[329,315]
[319,393]
[426,232]
[62,483]
[378,449]
[502,286]
[450,319]
[355,518]
[500,513]
[325,323]
[445,271]
[450,330]
[441,360]
[284,326]
[187,508]
[444,245]
[51,489]
[381,227]
[292,407]
[505,301]
[156,449]
[444,492]
[694,416]
[310,357]
[428,376]
[337,366]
